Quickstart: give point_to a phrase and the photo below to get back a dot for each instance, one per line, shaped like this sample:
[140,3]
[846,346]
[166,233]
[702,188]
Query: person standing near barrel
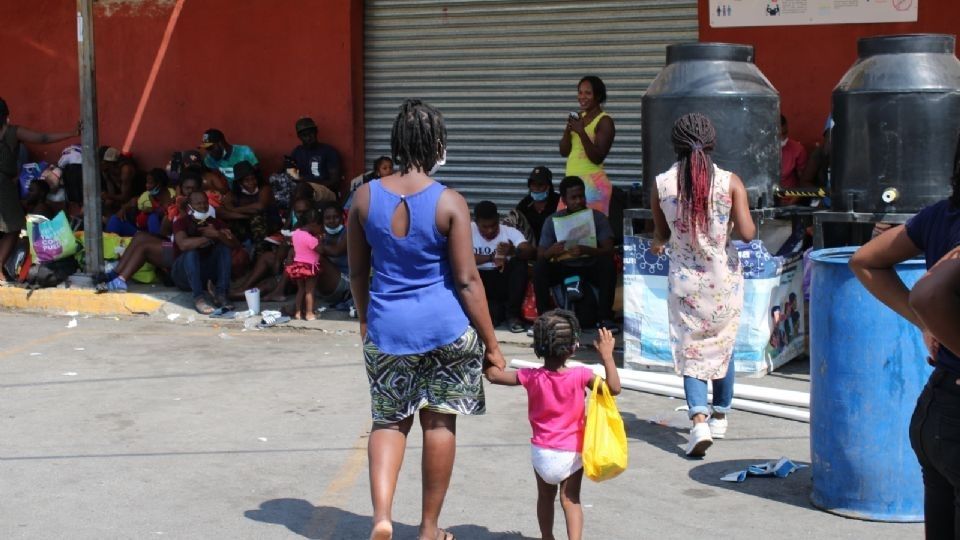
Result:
[586,141]
[935,427]
[695,207]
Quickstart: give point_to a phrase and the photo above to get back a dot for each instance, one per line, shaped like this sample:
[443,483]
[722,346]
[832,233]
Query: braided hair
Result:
[556,334]
[955,180]
[419,136]
[693,139]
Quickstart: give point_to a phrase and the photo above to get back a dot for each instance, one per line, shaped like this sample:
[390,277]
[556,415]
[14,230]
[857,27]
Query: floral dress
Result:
[705,282]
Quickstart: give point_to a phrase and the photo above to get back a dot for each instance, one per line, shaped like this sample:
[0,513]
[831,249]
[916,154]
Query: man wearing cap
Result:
[118,174]
[222,156]
[317,163]
[541,202]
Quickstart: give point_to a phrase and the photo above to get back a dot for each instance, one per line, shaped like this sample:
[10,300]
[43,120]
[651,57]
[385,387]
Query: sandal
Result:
[202,306]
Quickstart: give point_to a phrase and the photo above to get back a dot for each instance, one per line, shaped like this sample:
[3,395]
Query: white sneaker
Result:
[700,440]
[718,427]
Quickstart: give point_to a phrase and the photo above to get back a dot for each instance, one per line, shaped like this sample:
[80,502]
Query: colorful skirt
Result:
[301,270]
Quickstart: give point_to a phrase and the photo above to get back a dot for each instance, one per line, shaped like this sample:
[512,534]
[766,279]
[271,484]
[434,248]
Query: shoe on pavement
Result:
[700,440]
[516,326]
[114,285]
[718,427]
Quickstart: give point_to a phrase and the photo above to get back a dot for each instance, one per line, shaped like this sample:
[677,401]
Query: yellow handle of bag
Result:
[604,437]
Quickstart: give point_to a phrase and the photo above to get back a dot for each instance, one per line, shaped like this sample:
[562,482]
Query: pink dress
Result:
[306,259]
[705,282]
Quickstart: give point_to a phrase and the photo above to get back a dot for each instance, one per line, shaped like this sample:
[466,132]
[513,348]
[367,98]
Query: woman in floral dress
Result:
[696,205]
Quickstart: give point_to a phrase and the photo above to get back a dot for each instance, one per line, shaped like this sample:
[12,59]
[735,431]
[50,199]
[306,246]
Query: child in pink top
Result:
[306,263]
[555,407]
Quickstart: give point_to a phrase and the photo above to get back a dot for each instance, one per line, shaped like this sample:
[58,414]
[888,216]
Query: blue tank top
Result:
[414,307]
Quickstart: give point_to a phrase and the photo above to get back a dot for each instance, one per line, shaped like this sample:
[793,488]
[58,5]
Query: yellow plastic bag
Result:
[604,439]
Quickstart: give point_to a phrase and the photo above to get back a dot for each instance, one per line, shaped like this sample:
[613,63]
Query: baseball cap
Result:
[112,154]
[541,175]
[211,137]
[305,123]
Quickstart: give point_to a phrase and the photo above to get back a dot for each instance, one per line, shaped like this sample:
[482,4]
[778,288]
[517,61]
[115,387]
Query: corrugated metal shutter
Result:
[504,74]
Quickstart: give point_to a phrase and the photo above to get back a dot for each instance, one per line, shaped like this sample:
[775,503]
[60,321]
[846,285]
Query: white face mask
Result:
[335,230]
[254,192]
[440,163]
[203,216]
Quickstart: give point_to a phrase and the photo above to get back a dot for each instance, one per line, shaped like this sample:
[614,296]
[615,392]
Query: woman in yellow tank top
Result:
[587,140]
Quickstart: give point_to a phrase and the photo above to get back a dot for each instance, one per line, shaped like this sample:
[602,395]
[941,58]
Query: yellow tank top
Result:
[578,164]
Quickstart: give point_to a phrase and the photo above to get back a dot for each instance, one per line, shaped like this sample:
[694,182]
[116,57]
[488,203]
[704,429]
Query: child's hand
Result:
[604,343]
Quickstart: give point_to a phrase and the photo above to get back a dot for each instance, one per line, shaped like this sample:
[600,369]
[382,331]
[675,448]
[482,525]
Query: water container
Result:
[867,368]
[897,117]
[720,81]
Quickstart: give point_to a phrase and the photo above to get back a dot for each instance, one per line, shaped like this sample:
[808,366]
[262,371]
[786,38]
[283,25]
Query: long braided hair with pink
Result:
[693,139]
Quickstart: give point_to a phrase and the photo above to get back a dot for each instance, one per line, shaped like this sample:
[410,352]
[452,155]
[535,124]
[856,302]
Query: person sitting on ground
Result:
[594,265]
[501,253]
[284,184]
[249,208]
[541,202]
[555,395]
[202,249]
[333,285]
[305,267]
[317,163]
[119,178]
[223,156]
[36,201]
[145,213]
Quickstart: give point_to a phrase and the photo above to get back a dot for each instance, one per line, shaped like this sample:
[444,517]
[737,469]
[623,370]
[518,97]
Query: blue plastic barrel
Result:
[867,368]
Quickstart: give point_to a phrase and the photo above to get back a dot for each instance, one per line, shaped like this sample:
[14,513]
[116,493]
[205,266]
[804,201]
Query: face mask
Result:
[539,196]
[440,163]
[254,192]
[335,230]
[202,216]
[155,191]
[783,142]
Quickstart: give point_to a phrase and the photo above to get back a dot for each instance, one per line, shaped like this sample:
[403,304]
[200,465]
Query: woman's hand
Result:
[494,357]
[576,125]
[658,247]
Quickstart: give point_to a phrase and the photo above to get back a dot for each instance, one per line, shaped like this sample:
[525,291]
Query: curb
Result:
[83,301]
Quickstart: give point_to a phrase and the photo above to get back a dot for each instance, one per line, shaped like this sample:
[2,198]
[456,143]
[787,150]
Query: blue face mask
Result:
[539,196]
[155,191]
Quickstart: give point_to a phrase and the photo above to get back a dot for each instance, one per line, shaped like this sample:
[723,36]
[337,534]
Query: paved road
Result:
[140,428]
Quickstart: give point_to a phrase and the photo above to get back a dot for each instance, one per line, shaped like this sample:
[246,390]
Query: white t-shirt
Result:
[482,246]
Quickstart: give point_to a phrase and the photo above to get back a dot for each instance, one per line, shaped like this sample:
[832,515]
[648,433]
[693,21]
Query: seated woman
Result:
[267,273]
[249,208]
[36,200]
[146,212]
[333,284]
[147,247]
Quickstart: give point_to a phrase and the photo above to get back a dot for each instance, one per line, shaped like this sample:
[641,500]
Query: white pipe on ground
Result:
[664,390]
[745,391]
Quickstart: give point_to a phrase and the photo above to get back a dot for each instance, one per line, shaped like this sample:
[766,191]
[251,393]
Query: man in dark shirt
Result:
[541,202]
[317,163]
[202,247]
[558,260]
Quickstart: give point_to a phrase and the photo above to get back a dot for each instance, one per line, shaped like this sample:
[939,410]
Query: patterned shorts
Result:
[448,379]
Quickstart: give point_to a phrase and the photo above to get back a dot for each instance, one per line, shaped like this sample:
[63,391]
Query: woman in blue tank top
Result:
[423,314]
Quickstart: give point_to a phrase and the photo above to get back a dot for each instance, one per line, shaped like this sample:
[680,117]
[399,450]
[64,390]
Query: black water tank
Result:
[897,117]
[720,81]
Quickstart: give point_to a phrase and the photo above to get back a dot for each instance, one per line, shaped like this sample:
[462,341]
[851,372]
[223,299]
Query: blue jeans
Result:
[193,269]
[696,392]
[118,226]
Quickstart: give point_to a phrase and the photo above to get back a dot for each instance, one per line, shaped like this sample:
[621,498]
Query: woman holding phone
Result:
[586,141]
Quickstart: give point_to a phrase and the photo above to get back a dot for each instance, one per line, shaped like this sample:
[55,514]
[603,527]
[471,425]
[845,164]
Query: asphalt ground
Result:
[147,428]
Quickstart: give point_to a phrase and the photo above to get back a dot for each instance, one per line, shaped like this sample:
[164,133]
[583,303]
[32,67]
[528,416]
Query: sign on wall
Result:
[732,13]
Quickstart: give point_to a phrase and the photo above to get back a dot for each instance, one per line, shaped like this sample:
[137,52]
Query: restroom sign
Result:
[733,13]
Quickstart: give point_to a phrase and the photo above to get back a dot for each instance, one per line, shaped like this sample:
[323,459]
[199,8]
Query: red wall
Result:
[805,62]
[249,68]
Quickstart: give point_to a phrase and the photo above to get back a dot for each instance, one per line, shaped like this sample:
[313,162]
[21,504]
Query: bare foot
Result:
[310,317]
[295,317]
[382,531]
[441,534]
[274,298]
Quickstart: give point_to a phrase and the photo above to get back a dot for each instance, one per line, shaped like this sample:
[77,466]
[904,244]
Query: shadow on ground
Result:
[328,523]
[793,490]
[665,436]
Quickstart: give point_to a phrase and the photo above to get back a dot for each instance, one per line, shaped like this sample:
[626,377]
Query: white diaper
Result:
[554,466]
